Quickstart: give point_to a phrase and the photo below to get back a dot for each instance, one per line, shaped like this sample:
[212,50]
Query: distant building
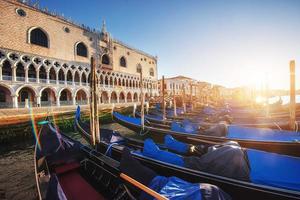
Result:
[45,58]
[180,84]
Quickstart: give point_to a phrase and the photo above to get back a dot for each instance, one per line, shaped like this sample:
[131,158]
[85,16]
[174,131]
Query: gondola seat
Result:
[73,185]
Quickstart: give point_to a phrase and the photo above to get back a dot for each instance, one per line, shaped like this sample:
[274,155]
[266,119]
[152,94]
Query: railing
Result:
[30,104]
[6,105]
[83,102]
[105,101]
[20,78]
[62,103]
[52,81]
[47,103]
[113,101]
[43,80]
[70,82]
[121,101]
[61,82]
[32,79]
[6,78]
[77,83]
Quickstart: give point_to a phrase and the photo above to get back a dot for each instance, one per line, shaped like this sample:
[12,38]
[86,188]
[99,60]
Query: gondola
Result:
[157,119]
[235,188]
[67,169]
[266,140]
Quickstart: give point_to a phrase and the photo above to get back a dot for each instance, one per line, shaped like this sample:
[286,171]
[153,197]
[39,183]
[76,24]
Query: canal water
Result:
[17,179]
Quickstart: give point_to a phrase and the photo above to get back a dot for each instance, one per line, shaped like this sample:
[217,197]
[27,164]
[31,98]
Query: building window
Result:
[123,62]
[151,72]
[105,59]
[39,37]
[81,49]
[139,68]
[66,29]
[21,12]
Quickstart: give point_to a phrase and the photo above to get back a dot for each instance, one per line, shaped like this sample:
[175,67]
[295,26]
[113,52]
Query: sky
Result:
[228,42]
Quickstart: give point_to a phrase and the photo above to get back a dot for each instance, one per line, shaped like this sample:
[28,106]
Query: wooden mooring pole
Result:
[292,96]
[142,101]
[94,119]
[174,99]
[163,98]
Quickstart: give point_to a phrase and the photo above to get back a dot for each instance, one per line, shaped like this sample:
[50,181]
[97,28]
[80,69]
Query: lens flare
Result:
[34,128]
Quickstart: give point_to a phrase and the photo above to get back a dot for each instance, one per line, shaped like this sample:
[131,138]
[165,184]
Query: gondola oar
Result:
[142,187]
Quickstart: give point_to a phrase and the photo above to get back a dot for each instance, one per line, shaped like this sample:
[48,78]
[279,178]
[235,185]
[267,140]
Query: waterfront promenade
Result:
[18,115]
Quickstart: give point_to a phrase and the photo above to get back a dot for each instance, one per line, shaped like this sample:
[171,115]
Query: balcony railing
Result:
[65,103]
[6,105]
[6,78]
[20,78]
[70,82]
[77,83]
[32,79]
[61,82]
[121,101]
[52,81]
[83,102]
[48,103]
[43,80]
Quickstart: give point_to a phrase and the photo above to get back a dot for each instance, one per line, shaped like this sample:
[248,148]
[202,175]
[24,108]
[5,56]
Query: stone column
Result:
[1,72]
[14,73]
[57,101]
[38,101]
[15,101]
[80,81]
[74,100]
[57,81]
[26,75]
[65,79]
[48,76]
[38,76]
[73,79]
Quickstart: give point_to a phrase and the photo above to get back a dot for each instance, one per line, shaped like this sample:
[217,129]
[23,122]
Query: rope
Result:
[142,133]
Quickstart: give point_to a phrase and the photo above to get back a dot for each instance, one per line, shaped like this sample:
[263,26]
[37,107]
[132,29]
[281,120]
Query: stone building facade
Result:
[44,59]
[180,85]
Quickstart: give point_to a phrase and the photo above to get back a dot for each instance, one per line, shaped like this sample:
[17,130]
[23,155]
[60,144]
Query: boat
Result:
[67,169]
[158,119]
[282,142]
[237,189]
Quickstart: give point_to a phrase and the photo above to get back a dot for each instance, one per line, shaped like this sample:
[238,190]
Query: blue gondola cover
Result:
[132,120]
[262,134]
[174,189]
[274,169]
[175,145]
[152,150]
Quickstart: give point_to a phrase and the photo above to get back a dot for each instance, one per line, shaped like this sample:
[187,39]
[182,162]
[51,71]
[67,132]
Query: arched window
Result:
[105,59]
[39,37]
[151,72]
[123,62]
[81,49]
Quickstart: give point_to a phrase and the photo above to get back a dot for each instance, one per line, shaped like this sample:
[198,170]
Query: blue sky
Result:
[227,42]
